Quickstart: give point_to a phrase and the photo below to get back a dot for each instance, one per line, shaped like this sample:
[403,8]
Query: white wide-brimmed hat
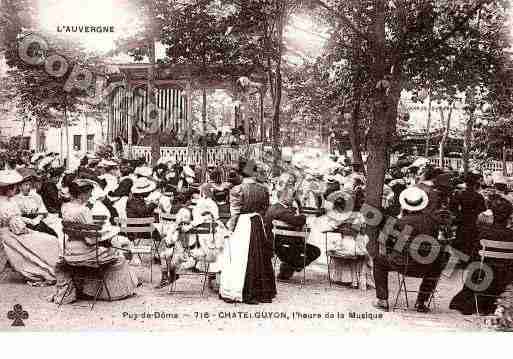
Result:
[143,185]
[143,171]
[10,177]
[413,199]
[107,163]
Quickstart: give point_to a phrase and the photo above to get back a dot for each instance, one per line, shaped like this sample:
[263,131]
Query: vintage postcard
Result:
[256,166]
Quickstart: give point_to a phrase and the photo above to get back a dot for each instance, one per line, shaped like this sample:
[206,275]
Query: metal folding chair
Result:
[133,228]
[202,229]
[494,250]
[404,271]
[345,230]
[96,271]
[281,228]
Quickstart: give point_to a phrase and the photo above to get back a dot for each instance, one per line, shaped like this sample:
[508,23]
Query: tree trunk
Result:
[428,127]
[204,127]
[446,133]
[504,154]
[277,98]
[385,101]
[467,141]
[66,127]
[155,125]
[354,133]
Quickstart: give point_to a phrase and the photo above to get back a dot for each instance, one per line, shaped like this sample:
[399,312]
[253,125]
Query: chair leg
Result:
[68,289]
[107,290]
[405,292]
[151,267]
[401,282]
[98,293]
[329,270]
[205,278]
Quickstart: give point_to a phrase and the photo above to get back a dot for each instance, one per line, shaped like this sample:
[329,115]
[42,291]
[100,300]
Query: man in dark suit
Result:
[290,250]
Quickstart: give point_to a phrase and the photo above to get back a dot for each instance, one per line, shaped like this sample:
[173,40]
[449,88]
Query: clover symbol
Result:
[18,315]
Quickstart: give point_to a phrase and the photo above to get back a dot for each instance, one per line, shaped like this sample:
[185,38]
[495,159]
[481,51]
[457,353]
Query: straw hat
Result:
[107,163]
[84,185]
[413,199]
[27,174]
[143,171]
[9,177]
[143,185]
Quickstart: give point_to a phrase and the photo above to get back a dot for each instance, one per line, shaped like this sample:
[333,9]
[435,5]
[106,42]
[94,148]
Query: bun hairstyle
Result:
[220,196]
[339,203]
[68,179]
[76,189]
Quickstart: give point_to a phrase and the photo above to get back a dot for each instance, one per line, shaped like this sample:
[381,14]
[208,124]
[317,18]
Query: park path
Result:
[315,308]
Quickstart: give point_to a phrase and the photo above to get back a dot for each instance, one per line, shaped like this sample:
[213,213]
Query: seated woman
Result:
[31,205]
[30,253]
[142,204]
[502,269]
[82,252]
[339,213]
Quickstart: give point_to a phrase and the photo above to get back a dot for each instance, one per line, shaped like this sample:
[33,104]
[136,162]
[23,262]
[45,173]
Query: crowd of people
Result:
[455,211]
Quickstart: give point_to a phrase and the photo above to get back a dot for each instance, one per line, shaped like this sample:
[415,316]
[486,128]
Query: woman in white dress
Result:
[339,214]
[32,254]
[83,252]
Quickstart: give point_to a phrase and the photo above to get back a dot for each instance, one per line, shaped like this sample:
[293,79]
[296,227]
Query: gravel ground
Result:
[298,310]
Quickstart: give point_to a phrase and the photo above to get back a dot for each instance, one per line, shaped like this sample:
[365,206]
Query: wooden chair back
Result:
[281,228]
[80,231]
[496,249]
[310,211]
[137,225]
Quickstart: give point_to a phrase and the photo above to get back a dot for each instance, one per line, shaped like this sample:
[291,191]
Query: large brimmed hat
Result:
[107,163]
[84,185]
[28,174]
[413,199]
[9,178]
[143,171]
[143,185]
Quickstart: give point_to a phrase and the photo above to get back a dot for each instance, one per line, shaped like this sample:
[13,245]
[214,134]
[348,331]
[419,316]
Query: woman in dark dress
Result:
[247,274]
[467,205]
[502,269]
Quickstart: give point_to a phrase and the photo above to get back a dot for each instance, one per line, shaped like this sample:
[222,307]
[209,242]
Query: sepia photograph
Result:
[301,167]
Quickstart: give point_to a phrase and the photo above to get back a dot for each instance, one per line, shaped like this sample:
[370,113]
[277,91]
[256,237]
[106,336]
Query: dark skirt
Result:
[466,241]
[259,283]
[465,300]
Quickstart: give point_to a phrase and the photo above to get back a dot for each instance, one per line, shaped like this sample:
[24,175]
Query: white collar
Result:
[248,180]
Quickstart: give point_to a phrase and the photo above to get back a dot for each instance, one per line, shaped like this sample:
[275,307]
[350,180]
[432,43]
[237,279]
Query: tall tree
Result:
[405,42]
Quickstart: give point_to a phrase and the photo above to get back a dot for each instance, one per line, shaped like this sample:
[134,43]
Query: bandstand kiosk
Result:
[130,110]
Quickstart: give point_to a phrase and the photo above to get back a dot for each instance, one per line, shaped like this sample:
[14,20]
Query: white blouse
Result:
[8,209]
[31,203]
